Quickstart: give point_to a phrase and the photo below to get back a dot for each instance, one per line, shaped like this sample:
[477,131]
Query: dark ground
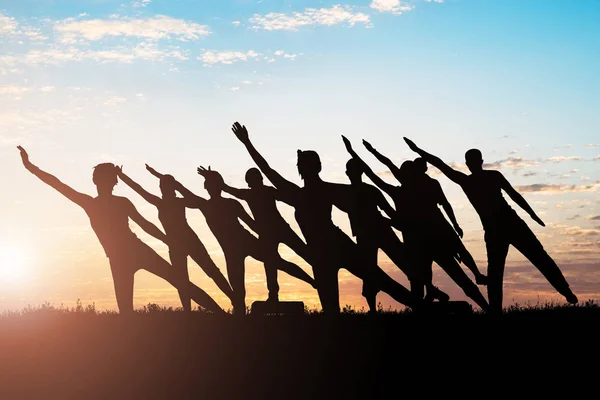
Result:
[54,354]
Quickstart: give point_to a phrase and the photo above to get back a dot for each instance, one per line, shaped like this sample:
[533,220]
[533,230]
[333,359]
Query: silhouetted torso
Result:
[262,201]
[109,217]
[313,212]
[171,213]
[484,191]
[222,218]
[364,215]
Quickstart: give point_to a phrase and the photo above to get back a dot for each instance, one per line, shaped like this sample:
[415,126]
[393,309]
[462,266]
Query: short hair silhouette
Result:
[309,162]
[354,168]
[406,171]
[213,182]
[167,185]
[253,177]
[474,159]
[420,165]
[105,174]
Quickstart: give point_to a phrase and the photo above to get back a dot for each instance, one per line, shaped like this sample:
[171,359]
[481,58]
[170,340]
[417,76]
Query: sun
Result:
[14,265]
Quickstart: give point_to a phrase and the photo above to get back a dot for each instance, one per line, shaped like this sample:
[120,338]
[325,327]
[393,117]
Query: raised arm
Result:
[381,158]
[380,183]
[191,200]
[76,197]
[279,181]
[149,197]
[239,193]
[154,172]
[517,198]
[244,216]
[146,225]
[452,174]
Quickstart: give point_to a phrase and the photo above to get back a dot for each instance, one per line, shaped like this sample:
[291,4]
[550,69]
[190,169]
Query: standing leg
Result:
[525,241]
[497,250]
[369,252]
[149,260]
[178,259]
[326,278]
[199,254]
[400,256]
[270,245]
[235,273]
[123,282]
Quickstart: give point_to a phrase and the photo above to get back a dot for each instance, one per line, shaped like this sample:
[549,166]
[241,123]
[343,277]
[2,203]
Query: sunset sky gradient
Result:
[161,82]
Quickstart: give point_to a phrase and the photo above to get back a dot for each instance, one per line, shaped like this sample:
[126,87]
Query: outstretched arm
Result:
[279,181]
[517,198]
[239,193]
[382,159]
[244,216]
[452,174]
[76,197]
[380,183]
[146,225]
[450,212]
[154,172]
[149,197]
[191,200]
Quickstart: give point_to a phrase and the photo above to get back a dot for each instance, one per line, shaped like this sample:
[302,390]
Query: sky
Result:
[162,81]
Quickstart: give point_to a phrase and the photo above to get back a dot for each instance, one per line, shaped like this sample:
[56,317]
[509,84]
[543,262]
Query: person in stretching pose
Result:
[223,217]
[183,241]
[434,188]
[330,248]
[109,216]
[372,230]
[272,229]
[427,234]
[502,225]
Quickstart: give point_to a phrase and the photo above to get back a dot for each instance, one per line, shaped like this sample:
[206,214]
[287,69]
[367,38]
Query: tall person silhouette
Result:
[183,241]
[272,229]
[434,188]
[502,225]
[223,217]
[427,234]
[109,216]
[331,247]
[372,230]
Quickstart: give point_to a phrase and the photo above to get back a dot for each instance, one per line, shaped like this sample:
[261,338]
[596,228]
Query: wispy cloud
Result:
[512,163]
[11,28]
[396,7]
[554,189]
[592,146]
[212,57]
[140,3]
[559,159]
[337,14]
[156,28]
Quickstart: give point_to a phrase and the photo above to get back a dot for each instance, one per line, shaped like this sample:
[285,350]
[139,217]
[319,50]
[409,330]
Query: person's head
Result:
[167,186]
[406,173]
[474,160]
[309,164]
[420,165]
[105,176]
[354,170]
[213,183]
[254,178]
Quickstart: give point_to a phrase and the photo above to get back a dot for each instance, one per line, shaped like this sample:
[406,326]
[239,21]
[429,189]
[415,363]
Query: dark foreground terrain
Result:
[49,353]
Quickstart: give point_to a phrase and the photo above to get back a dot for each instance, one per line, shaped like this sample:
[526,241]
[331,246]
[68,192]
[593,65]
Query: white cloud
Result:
[290,56]
[563,159]
[235,88]
[115,100]
[226,57]
[236,23]
[396,7]
[434,1]
[47,89]
[337,14]
[60,55]
[592,146]
[13,90]
[9,27]
[279,52]
[156,28]
[140,3]
[247,82]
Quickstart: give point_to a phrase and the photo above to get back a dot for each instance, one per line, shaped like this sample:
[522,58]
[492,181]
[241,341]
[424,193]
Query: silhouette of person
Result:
[420,167]
[109,217]
[330,247]
[372,230]
[223,217]
[427,234]
[183,241]
[502,225]
[271,227]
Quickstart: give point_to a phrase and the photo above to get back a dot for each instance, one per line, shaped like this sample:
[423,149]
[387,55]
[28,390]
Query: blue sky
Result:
[83,82]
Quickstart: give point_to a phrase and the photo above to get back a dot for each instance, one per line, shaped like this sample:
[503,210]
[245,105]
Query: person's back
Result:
[222,219]
[172,215]
[364,214]
[262,201]
[484,190]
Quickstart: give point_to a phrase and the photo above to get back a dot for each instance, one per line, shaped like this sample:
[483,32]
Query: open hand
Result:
[411,144]
[119,169]
[538,220]
[347,144]
[240,132]
[24,156]
[368,146]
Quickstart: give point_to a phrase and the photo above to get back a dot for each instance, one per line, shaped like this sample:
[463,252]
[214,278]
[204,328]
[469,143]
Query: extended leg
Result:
[178,259]
[155,264]
[200,255]
[453,269]
[470,263]
[235,273]
[525,241]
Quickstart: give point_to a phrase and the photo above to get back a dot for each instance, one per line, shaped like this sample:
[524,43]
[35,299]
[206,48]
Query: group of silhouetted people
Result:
[427,235]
